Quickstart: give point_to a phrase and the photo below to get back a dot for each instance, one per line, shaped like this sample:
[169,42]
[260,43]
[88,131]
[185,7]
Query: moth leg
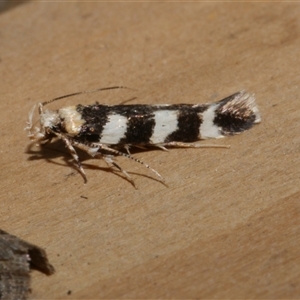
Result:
[93,151]
[162,147]
[39,141]
[116,152]
[190,145]
[108,159]
[140,147]
[69,143]
[127,147]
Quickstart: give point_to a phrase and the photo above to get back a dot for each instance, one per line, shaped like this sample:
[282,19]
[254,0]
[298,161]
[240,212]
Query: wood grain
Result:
[228,224]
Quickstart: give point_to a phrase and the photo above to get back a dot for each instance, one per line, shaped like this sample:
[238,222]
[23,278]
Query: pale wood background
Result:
[228,225]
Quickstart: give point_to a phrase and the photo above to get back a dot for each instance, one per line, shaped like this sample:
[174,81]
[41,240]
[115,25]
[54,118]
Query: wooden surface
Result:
[228,225]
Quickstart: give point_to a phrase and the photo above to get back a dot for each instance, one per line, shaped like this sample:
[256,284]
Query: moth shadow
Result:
[56,149]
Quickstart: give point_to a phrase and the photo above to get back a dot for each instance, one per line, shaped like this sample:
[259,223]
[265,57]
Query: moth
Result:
[102,130]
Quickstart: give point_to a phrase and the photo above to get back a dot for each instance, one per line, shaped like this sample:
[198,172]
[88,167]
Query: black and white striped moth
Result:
[101,130]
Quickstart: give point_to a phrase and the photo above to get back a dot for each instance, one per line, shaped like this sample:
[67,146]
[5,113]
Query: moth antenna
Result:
[85,92]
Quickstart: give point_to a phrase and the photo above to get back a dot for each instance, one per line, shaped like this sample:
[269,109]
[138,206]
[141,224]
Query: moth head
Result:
[48,119]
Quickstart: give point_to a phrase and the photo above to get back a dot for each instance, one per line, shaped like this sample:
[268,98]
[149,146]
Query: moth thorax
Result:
[71,120]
